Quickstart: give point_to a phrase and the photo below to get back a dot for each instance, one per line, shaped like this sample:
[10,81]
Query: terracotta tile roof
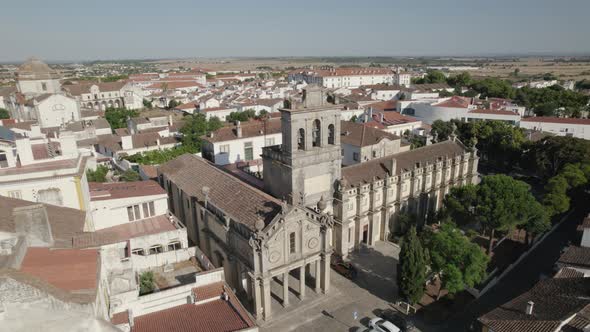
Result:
[555,300]
[150,171]
[214,316]
[388,105]
[549,119]
[82,88]
[41,151]
[174,85]
[575,256]
[68,269]
[117,190]
[454,102]
[65,222]
[210,291]
[120,233]
[252,128]
[243,203]
[44,286]
[494,112]
[393,118]
[359,135]
[364,172]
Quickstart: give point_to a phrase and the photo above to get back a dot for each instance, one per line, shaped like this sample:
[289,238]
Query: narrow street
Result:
[539,264]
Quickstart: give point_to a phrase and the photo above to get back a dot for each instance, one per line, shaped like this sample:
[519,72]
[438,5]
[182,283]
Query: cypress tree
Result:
[411,268]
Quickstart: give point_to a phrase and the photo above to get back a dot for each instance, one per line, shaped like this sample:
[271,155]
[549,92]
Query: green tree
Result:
[502,204]
[442,130]
[458,261]
[157,157]
[556,200]
[147,104]
[195,126]
[129,176]
[493,87]
[4,114]
[460,80]
[98,175]
[412,268]
[548,156]
[173,103]
[459,204]
[146,283]
[117,117]
[537,222]
[432,76]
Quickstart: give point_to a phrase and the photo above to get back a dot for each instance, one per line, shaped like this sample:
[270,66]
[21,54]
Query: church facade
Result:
[309,207]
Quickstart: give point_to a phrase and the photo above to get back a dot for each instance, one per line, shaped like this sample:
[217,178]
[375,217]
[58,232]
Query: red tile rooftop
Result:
[214,316]
[210,291]
[68,269]
[124,232]
[495,112]
[117,190]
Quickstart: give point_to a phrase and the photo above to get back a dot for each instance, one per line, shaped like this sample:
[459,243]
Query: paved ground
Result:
[372,289]
[539,264]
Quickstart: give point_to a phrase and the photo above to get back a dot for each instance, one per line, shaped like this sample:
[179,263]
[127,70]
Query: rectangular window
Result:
[133,212]
[152,209]
[355,156]
[44,86]
[374,154]
[224,148]
[156,250]
[248,151]
[130,213]
[292,248]
[139,252]
[269,141]
[14,194]
[174,246]
[146,212]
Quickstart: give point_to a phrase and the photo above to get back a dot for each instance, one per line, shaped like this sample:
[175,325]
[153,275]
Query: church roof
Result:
[242,202]
[381,167]
[35,69]
[358,134]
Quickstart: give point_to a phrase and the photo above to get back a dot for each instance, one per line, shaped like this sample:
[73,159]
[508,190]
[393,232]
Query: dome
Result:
[35,69]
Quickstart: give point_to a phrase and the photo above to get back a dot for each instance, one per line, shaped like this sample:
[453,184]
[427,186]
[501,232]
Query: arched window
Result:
[301,139]
[316,134]
[331,134]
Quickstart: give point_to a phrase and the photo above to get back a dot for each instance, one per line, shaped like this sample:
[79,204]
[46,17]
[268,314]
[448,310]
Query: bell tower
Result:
[307,165]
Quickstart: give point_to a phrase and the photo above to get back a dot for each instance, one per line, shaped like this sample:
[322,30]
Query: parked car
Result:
[398,319]
[381,325]
[345,269]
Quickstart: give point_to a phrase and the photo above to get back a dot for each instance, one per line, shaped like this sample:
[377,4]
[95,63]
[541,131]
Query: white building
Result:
[100,96]
[242,142]
[403,79]
[44,170]
[118,203]
[362,143]
[344,77]
[461,108]
[39,97]
[579,128]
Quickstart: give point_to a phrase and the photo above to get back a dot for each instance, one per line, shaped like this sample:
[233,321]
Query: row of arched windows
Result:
[316,135]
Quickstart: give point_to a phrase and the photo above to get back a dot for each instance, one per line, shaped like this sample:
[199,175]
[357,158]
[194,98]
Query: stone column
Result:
[302,282]
[267,298]
[258,305]
[325,263]
[317,276]
[286,289]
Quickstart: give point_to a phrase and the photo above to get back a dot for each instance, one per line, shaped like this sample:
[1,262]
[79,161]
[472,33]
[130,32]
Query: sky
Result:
[67,30]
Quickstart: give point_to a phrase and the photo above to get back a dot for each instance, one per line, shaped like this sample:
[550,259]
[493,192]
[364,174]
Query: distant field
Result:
[528,67]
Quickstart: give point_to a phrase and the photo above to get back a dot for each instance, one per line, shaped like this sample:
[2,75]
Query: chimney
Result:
[127,142]
[392,165]
[529,307]
[158,141]
[24,151]
[381,117]
[67,141]
[238,129]
[170,120]
[370,113]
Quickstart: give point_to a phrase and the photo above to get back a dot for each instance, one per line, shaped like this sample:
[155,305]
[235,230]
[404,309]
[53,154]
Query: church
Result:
[309,208]
[39,96]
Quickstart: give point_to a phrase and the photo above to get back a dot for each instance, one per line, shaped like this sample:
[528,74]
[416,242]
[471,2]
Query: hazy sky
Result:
[114,29]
